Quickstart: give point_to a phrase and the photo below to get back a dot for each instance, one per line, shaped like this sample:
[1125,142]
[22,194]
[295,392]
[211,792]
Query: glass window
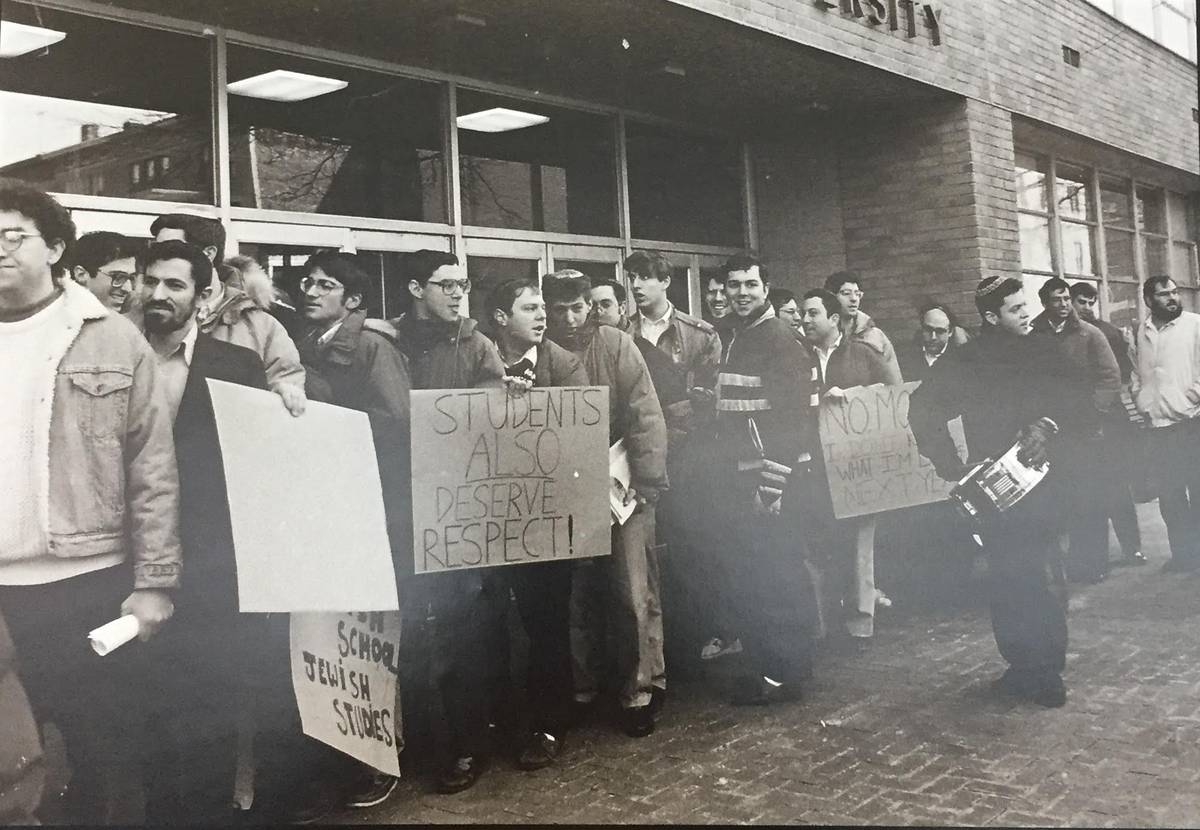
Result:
[1139,14]
[683,187]
[1181,262]
[1122,307]
[1031,182]
[1156,256]
[99,100]
[1073,192]
[1182,213]
[1114,202]
[1077,247]
[366,144]
[1151,214]
[1173,26]
[1118,248]
[1035,242]
[557,174]
[486,272]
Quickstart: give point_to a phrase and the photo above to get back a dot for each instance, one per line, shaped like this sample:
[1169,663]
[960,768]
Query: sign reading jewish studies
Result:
[871,457]
[507,478]
[344,669]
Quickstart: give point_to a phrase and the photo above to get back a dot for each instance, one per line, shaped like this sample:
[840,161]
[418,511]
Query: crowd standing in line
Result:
[116,498]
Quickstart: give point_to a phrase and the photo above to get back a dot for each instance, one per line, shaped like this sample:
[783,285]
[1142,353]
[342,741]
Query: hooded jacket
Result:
[238,320]
[865,330]
[361,368]
[444,355]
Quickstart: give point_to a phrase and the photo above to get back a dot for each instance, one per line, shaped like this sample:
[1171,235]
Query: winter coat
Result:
[363,369]
[1083,350]
[860,362]
[612,359]
[864,329]
[558,367]
[238,320]
[444,355]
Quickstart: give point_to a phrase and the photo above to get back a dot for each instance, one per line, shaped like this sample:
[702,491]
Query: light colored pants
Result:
[618,595]
[860,615]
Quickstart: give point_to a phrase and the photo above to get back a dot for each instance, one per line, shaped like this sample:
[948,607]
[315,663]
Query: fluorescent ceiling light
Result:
[18,39]
[499,120]
[285,85]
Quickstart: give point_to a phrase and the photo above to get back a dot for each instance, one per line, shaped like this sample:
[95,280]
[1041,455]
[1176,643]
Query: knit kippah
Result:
[987,285]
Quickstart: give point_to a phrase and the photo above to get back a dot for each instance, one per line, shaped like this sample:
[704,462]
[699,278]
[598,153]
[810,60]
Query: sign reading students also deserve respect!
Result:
[507,478]
[871,457]
[344,673]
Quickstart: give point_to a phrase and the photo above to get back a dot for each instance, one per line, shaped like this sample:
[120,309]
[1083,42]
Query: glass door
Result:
[493,261]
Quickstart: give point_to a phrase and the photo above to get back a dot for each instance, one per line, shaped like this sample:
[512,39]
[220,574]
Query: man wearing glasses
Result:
[82,403]
[104,263]
[448,612]
[937,335]
[856,324]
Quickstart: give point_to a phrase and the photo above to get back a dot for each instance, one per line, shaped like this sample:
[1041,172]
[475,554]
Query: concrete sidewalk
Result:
[906,731]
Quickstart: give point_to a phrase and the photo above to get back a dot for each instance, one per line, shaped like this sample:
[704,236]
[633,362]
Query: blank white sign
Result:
[305,504]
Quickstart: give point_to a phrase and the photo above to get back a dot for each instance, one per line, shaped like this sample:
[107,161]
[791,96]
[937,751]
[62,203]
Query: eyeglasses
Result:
[11,239]
[850,292]
[448,286]
[323,286]
[119,278]
[938,330]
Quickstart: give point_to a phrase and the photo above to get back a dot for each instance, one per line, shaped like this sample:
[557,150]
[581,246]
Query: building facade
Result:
[923,145]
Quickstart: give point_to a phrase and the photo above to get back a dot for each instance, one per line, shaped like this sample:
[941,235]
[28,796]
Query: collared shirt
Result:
[173,369]
[823,354]
[328,335]
[1168,370]
[931,359]
[653,330]
[524,366]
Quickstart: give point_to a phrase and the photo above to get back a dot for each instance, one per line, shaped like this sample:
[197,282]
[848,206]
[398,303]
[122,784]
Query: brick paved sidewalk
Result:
[904,732]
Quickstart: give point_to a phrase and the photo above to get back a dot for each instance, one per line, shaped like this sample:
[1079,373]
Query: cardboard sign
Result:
[344,670]
[871,457]
[309,530]
[504,478]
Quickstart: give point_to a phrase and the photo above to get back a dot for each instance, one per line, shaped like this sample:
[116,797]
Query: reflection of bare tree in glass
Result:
[475,183]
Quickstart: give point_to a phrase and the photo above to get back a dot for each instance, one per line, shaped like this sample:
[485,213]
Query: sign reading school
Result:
[871,457]
[506,478]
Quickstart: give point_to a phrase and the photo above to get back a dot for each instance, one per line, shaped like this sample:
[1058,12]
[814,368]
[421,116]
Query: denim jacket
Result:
[114,487]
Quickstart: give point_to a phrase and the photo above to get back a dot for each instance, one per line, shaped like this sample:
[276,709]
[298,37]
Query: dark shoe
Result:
[461,775]
[540,751]
[580,712]
[1175,565]
[1012,683]
[1048,691]
[754,690]
[658,699]
[637,721]
[374,788]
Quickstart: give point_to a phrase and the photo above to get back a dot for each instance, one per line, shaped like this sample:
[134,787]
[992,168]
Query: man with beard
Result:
[1006,390]
[1082,349]
[1167,390]
[104,263]
[767,433]
[190,770]
[622,588]
[1119,451]
[517,313]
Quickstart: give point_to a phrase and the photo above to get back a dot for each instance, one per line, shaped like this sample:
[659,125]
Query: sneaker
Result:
[752,690]
[717,647]
[374,788]
[319,804]
[1136,558]
[540,751]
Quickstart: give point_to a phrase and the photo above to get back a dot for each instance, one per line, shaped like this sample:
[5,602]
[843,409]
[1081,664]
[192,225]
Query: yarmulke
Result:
[987,285]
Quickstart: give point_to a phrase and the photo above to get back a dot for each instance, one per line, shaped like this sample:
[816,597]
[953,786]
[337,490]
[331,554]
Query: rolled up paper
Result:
[111,636]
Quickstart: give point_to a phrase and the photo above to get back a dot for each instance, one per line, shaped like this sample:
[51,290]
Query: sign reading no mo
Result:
[509,479]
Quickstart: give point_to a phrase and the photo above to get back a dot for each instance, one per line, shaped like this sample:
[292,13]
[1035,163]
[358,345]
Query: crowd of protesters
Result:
[115,497]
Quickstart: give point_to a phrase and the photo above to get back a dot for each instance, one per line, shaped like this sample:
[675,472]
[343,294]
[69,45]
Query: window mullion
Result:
[1055,230]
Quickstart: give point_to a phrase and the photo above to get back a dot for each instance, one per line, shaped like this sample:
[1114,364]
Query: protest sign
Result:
[309,531]
[871,457]
[344,669]
[501,478]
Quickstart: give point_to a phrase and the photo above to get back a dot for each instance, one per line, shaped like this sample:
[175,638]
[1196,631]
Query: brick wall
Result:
[918,202]
[1128,92]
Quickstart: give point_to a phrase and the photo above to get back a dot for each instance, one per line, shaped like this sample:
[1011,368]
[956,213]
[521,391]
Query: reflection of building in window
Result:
[513,194]
[132,162]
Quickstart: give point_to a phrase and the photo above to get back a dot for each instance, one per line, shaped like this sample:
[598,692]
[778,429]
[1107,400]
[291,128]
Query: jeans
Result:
[618,595]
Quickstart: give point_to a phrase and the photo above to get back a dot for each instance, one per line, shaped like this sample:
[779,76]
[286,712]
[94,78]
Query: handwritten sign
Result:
[503,479]
[871,457]
[293,555]
[344,669]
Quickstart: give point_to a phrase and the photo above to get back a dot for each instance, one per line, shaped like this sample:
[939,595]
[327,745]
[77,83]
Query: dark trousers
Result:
[772,593]
[458,632]
[92,700]
[1087,511]
[1028,595]
[543,593]
[1175,452]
